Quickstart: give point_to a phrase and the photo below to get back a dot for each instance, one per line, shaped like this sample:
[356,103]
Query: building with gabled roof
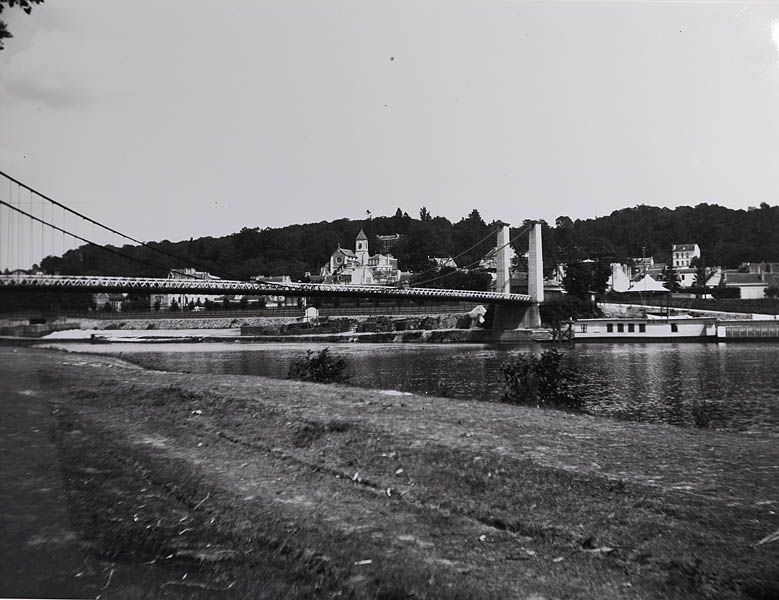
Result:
[683,254]
[359,267]
[751,285]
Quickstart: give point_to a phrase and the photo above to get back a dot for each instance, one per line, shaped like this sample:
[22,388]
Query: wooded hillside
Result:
[727,237]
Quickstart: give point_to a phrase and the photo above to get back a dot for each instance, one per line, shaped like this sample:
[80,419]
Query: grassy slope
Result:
[281,488]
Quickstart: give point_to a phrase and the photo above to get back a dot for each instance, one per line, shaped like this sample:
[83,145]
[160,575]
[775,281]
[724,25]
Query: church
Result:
[358,267]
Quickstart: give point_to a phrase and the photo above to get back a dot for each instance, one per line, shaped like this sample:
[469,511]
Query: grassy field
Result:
[194,485]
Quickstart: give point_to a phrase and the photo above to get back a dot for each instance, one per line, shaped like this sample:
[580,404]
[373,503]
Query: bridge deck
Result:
[151,285]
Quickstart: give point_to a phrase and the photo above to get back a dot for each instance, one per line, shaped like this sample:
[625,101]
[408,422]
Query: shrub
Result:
[546,380]
[321,367]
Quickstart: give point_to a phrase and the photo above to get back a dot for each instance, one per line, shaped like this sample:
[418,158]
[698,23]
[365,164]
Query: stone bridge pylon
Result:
[515,316]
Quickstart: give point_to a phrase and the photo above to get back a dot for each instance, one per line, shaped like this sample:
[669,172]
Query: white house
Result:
[686,276]
[683,254]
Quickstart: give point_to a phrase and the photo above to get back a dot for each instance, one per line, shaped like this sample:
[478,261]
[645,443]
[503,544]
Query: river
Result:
[657,382]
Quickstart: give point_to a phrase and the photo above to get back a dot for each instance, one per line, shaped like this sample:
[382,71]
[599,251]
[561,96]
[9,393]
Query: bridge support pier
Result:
[509,316]
[513,316]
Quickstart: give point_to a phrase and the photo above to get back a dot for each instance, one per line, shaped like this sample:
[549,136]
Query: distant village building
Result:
[641,266]
[165,301]
[441,262]
[620,278]
[683,254]
[359,267]
[687,277]
[763,267]
[275,300]
[656,271]
[490,260]
[751,285]
[113,300]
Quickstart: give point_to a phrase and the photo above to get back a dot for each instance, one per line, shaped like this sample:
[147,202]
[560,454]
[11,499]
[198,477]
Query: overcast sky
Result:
[185,118]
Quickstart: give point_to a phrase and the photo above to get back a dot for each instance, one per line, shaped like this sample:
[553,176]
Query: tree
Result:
[25,5]
[424,214]
[671,278]
[584,278]
[701,272]
[454,279]
[472,240]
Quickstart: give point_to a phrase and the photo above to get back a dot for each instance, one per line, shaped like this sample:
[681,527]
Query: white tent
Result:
[647,284]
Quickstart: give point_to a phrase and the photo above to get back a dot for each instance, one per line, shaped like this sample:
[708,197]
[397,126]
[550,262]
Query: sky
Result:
[185,118]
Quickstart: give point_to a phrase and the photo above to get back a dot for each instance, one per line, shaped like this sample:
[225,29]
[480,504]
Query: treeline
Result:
[292,250]
[727,237]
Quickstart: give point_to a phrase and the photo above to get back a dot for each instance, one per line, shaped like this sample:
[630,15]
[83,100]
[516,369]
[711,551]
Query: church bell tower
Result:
[361,247]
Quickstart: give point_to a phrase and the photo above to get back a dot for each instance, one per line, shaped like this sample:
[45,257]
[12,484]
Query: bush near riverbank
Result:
[320,367]
[547,380]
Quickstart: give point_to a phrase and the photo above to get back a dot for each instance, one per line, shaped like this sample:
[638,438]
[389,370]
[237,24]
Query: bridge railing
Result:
[160,285]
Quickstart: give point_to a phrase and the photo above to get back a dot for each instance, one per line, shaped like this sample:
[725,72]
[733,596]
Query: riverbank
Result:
[225,486]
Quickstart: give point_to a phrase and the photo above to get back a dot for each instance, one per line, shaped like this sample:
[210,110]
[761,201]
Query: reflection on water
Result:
[650,382]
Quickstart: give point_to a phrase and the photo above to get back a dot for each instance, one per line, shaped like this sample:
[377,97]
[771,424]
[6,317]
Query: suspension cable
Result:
[481,241]
[522,231]
[112,230]
[91,243]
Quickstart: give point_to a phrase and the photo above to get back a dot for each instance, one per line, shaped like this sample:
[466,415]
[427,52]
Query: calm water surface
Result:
[649,382]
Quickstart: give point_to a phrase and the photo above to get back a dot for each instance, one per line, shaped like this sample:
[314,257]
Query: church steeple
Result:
[361,247]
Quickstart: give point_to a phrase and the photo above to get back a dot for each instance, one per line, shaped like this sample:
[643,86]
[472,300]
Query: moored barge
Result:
[674,329]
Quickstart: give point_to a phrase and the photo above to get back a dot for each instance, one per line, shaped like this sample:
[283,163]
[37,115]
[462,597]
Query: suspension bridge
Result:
[29,215]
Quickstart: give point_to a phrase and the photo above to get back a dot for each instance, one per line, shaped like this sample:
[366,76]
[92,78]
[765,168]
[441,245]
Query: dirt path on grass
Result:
[238,485]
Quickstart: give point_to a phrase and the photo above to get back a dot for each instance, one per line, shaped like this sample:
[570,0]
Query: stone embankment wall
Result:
[173,323]
[376,325]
